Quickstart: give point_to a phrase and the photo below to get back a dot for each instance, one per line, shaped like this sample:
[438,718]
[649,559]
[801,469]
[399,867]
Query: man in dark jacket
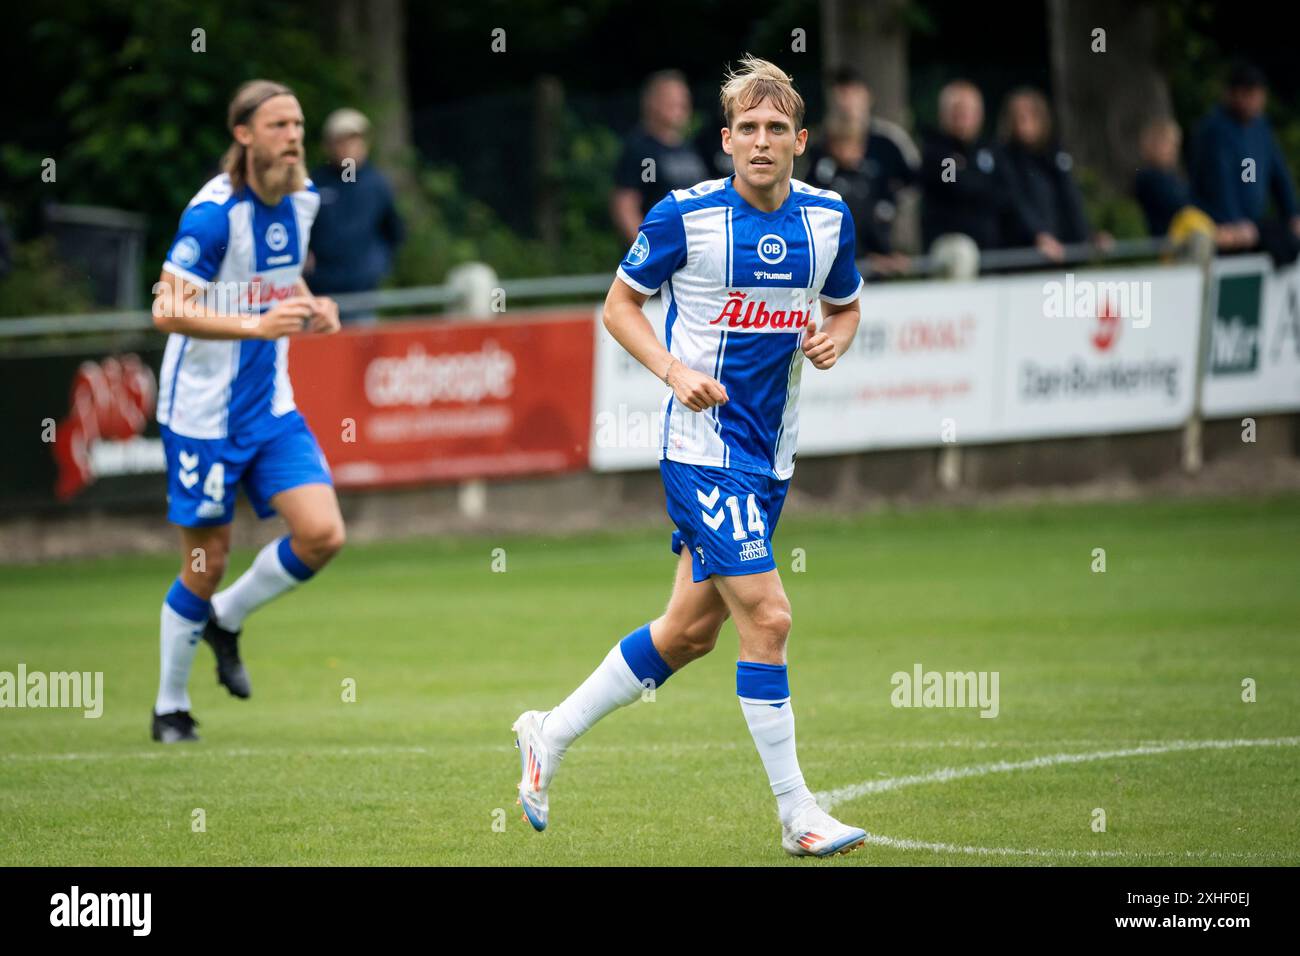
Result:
[1238,166]
[656,157]
[358,229]
[846,168]
[963,178]
[883,162]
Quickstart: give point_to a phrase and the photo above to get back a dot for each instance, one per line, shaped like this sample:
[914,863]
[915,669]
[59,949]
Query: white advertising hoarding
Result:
[919,364]
[997,359]
[1253,365]
[1090,353]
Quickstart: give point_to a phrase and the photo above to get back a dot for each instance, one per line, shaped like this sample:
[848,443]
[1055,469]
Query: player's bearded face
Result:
[276,149]
[763,142]
[279,167]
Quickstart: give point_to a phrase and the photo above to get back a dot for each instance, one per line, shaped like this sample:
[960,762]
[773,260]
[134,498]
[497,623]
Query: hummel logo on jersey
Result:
[188,475]
[756,315]
[711,518]
[760,275]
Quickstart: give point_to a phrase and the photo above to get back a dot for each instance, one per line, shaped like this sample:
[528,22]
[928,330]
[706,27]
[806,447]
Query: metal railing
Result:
[577,286]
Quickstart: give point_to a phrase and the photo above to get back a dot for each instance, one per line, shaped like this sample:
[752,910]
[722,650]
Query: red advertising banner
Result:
[447,400]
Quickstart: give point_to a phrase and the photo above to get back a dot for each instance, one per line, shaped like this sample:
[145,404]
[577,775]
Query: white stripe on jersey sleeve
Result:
[185,274]
[644,290]
[847,299]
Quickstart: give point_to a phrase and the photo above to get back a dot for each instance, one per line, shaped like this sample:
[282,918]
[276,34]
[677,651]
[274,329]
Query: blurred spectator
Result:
[1160,188]
[358,229]
[846,169]
[708,143]
[888,160]
[850,95]
[1234,133]
[1164,193]
[964,181]
[1047,205]
[656,157]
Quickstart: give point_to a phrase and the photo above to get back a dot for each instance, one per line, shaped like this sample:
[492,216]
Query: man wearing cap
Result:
[1238,167]
[358,230]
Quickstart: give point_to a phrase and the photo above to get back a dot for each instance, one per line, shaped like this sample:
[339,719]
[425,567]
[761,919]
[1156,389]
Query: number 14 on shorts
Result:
[714,519]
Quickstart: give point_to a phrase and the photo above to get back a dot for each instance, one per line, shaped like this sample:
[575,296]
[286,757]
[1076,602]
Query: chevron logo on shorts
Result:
[188,475]
[711,518]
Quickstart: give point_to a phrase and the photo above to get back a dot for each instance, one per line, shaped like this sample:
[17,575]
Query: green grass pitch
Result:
[1123,669]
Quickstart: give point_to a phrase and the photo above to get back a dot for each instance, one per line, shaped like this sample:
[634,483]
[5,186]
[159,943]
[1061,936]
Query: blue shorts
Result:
[725,517]
[203,474]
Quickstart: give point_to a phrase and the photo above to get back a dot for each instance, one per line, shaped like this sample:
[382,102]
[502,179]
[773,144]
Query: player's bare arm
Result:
[627,322]
[839,324]
[179,307]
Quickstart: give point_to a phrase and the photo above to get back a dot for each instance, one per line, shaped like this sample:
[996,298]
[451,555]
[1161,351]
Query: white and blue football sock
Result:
[276,569]
[184,614]
[764,692]
[631,666]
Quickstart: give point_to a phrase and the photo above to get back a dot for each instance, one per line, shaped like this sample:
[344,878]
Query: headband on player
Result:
[247,114]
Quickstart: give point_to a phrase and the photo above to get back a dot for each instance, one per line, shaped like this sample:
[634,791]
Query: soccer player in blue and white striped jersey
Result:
[230,294]
[758,277]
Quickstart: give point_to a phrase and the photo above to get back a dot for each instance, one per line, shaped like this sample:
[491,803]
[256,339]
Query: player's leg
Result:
[315,536]
[644,659]
[201,482]
[184,614]
[287,476]
[689,627]
[761,610]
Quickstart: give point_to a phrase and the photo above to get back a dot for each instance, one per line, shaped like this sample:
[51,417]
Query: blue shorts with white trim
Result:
[724,516]
[204,474]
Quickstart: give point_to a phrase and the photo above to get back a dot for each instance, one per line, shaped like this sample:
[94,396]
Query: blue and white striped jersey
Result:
[247,256]
[740,287]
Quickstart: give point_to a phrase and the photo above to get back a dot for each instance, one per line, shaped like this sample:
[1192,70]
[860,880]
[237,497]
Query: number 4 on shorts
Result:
[214,486]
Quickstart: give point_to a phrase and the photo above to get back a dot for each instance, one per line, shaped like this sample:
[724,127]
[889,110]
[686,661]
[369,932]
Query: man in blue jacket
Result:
[1238,167]
[358,229]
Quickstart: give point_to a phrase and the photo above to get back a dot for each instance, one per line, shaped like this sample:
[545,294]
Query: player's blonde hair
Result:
[756,80]
[243,105]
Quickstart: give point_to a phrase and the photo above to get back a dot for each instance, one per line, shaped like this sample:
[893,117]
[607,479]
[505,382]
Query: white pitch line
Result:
[897,844]
[829,799]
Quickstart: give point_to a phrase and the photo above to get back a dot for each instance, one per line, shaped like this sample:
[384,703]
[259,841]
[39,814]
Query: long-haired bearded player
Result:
[230,295]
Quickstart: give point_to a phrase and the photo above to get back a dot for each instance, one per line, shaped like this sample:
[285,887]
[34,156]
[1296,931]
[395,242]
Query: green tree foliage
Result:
[39,283]
[138,114]
[450,227]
